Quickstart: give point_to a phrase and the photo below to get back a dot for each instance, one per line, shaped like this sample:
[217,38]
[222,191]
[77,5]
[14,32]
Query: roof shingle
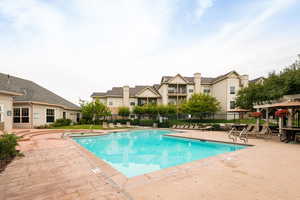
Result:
[32,92]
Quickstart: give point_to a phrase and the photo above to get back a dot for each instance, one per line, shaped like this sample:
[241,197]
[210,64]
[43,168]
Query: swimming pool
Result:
[142,151]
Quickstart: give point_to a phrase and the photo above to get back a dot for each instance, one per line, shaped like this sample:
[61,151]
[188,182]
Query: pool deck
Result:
[55,168]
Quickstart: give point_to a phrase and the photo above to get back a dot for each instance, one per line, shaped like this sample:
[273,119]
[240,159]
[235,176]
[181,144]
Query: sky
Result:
[77,47]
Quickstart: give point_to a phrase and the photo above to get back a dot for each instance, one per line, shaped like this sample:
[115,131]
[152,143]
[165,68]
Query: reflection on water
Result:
[143,151]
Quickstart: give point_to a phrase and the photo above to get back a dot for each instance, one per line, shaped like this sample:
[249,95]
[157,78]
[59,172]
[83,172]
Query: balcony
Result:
[177,91]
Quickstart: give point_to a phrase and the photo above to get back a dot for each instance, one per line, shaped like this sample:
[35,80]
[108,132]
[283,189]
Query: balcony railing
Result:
[174,92]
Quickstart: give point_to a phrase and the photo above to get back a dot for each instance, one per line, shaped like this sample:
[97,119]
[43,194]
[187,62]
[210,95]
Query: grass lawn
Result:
[85,126]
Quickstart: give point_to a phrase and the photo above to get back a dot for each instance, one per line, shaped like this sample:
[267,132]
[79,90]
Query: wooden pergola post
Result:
[267,116]
[257,121]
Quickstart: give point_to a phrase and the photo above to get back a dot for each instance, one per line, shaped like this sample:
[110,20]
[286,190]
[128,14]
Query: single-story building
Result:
[25,104]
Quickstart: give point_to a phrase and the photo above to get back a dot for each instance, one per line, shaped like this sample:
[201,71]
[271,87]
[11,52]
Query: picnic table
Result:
[290,133]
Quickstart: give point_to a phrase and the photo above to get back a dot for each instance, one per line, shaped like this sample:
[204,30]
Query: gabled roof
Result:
[257,79]
[32,92]
[204,80]
[118,91]
[148,88]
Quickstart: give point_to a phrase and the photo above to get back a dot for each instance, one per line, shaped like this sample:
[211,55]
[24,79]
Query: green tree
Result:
[94,110]
[273,88]
[124,111]
[200,103]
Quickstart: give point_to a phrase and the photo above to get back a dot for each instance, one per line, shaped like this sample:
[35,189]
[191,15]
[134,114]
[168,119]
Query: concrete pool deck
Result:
[55,168]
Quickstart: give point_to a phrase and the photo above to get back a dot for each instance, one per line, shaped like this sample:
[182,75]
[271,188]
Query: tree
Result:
[94,110]
[200,103]
[273,88]
[124,111]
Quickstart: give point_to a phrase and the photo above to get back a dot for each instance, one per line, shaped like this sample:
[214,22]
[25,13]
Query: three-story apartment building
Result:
[176,89]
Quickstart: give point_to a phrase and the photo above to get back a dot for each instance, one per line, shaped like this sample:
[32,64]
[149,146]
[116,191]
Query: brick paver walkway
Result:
[55,171]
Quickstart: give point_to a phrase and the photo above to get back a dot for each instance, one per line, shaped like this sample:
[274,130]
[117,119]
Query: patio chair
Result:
[111,125]
[119,125]
[265,132]
[206,128]
[104,125]
[196,127]
[180,126]
[185,126]
[128,124]
[191,126]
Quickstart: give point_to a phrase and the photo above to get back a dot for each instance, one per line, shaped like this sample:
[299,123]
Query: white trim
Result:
[50,115]
[1,113]
[21,116]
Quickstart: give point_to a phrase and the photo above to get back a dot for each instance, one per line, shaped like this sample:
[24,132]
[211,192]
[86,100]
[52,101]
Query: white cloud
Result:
[202,6]
[78,48]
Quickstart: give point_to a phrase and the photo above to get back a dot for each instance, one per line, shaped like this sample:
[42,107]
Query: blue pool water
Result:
[138,152]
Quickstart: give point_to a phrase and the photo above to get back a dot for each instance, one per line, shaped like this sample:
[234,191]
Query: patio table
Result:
[290,133]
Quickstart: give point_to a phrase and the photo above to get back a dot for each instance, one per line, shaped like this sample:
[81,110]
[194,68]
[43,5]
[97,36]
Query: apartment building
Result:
[175,89]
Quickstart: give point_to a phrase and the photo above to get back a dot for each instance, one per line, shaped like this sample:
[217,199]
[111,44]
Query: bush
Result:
[165,124]
[124,111]
[46,126]
[145,122]
[8,144]
[122,121]
[216,127]
[62,122]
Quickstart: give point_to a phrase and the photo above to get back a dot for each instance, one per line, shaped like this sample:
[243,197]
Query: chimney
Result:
[244,80]
[197,82]
[126,96]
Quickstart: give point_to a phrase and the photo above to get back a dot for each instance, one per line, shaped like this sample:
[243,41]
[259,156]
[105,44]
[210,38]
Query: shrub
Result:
[46,126]
[216,127]
[165,124]
[62,122]
[145,122]
[124,111]
[8,144]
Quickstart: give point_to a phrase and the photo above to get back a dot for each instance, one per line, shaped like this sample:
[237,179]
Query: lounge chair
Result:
[186,126]
[191,126]
[128,124]
[111,125]
[205,128]
[196,127]
[180,126]
[174,126]
[265,132]
[119,125]
[104,125]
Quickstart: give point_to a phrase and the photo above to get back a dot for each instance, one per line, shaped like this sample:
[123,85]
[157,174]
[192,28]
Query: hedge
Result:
[8,144]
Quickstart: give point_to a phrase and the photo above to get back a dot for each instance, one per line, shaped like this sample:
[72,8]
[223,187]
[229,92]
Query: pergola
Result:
[292,106]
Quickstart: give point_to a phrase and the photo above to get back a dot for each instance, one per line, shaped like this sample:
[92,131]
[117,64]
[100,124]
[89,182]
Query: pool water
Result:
[142,151]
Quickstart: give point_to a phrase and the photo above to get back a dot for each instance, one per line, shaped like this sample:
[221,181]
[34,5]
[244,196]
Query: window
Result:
[64,115]
[132,103]
[232,104]
[206,91]
[50,115]
[191,90]
[21,115]
[1,113]
[232,90]
[110,103]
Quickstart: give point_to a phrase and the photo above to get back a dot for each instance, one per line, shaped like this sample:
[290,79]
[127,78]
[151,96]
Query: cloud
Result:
[75,48]
[202,6]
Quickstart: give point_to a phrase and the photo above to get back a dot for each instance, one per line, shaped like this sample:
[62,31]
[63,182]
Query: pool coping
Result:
[124,182]
[210,140]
